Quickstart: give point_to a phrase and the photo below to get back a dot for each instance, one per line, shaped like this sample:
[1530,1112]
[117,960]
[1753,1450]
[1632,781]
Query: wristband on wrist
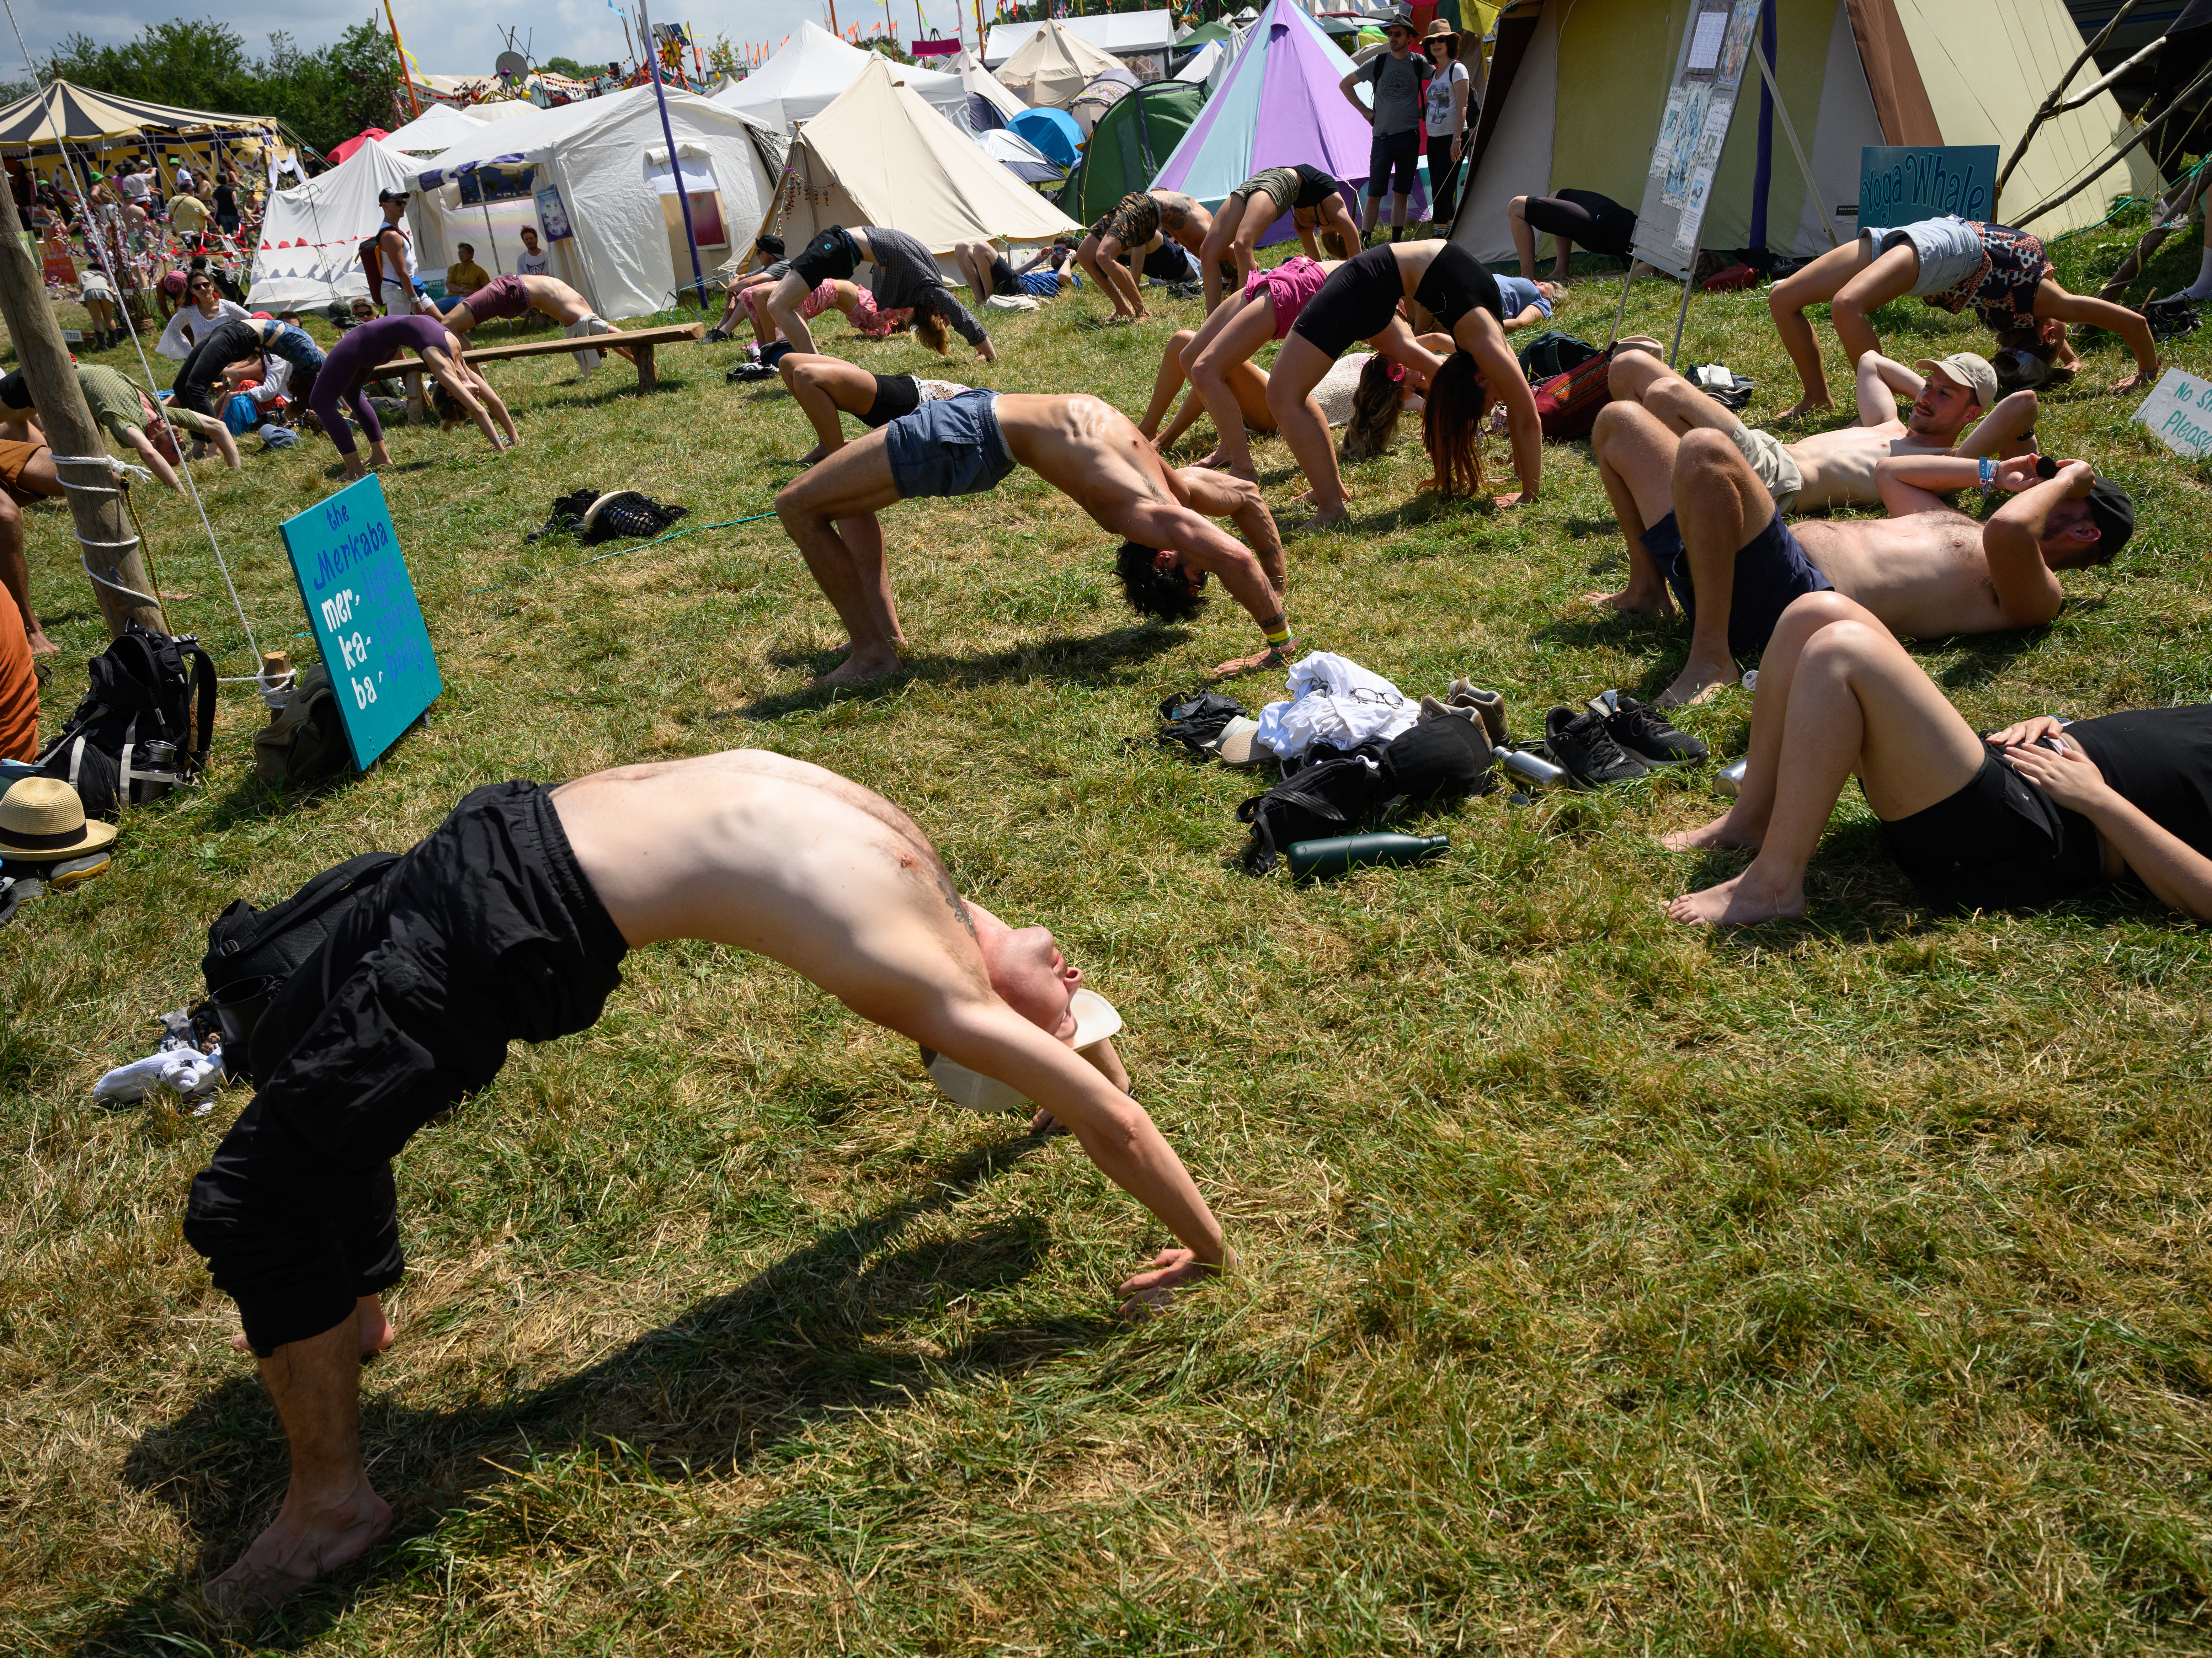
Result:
[1989,472]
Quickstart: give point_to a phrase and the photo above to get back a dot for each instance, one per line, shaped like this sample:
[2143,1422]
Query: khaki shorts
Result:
[1771,460]
[13,457]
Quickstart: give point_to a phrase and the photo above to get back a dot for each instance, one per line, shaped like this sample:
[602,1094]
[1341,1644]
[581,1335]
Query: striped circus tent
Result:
[63,113]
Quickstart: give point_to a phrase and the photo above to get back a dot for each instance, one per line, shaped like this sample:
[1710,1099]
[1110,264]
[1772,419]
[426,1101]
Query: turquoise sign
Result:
[360,604]
[1899,183]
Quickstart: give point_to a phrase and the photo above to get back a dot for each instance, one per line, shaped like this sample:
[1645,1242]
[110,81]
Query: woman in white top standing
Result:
[1446,116]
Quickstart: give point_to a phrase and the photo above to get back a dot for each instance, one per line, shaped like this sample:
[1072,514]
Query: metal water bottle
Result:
[1311,860]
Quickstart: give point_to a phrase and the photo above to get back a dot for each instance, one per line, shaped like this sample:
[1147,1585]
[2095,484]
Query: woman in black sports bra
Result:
[1359,301]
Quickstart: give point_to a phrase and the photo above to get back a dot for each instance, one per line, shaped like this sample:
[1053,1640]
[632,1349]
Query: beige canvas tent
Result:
[879,155]
[1576,89]
[1056,64]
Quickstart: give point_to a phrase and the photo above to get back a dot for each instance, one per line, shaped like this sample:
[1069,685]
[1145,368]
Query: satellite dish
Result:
[511,65]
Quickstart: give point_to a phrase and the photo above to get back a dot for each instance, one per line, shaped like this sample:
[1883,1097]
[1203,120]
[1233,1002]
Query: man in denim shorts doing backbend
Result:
[1087,449]
[1950,263]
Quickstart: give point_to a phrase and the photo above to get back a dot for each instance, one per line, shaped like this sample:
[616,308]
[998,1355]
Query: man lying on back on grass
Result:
[1092,452]
[511,920]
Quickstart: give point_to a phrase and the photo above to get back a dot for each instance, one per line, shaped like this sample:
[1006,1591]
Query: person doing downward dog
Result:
[2031,815]
[824,387]
[1570,217]
[512,297]
[907,278]
[1089,451]
[235,338]
[1315,202]
[353,362]
[1951,264]
[1139,224]
[1360,301]
[512,921]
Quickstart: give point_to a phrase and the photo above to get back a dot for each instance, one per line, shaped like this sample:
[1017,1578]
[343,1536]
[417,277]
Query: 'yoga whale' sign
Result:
[360,604]
[1899,183]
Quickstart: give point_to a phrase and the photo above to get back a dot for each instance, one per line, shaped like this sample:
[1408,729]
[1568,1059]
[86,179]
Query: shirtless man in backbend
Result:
[1092,453]
[511,920]
[516,296]
[1702,528]
[1837,469]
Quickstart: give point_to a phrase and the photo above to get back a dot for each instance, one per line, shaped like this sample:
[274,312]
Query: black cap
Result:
[2113,511]
[383,195]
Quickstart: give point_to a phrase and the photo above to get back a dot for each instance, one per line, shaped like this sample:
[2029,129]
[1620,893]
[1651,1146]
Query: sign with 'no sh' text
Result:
[2179,412]
[1900,184]
[360,604]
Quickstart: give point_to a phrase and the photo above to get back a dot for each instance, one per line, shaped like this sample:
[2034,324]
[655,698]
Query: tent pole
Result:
[1796,149]
[405,79]
[1689,282]
[675,160]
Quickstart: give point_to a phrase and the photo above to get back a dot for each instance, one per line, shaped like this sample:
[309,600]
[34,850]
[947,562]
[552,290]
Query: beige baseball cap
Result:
[1965,368]
[1095,1020]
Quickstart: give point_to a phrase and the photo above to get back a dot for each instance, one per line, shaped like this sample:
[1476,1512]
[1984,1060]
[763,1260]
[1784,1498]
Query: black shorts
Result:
[1356,303]
[486,931]
[1456,283]
[1170,262]
[1595,223]
[833,256]
[1772,572]
[1315,187]
[896,395]
[1004,283]
[1998,843]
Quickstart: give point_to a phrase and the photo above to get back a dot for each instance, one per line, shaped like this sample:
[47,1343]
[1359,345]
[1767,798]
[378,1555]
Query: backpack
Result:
[142,729]
[253,952]
[1567,404]
[305,740]
[1329,797]
[1552,354]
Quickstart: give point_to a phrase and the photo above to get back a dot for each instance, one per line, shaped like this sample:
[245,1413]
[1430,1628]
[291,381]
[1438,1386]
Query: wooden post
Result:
[110,548]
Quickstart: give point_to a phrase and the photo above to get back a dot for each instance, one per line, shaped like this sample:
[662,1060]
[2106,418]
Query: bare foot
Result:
[1808,405]
[1628,599]
[1697,682]
[818,453]
[861,667]
[42,646]
[1275,657]
[306,1541]
[1740,903]
[1722,831]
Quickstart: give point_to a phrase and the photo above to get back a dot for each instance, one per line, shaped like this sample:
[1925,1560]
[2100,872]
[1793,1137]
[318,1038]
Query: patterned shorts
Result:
[1133,221]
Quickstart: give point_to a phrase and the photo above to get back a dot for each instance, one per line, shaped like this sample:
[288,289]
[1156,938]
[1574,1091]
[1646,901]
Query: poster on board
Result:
[1693,130]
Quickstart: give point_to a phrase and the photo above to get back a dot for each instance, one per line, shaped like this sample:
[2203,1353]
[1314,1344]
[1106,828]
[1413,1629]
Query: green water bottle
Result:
[1311,860]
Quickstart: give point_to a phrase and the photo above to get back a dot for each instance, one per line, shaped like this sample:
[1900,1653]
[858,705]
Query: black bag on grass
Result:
[251,952]
[1329,797]
[1552,354]
[1439,761]
[144,726]
[1195,718]
[306,739]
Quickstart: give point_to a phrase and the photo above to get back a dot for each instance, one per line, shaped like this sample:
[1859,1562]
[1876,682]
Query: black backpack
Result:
[1437,762]
[1552,354]
[142,729]
[251,952]
[1328,797]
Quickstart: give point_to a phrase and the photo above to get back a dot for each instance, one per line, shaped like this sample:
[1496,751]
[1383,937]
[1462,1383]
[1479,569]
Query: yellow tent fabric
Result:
[1986,65]
[1053,66]
[879,155]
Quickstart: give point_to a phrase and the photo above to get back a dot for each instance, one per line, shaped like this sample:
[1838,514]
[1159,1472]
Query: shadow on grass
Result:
[728,1378]
[1095,661]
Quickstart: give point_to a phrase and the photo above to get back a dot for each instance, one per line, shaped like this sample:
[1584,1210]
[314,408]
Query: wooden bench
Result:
[640,341]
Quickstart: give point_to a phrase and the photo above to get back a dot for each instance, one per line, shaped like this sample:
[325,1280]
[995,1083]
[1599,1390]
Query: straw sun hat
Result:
[42,821]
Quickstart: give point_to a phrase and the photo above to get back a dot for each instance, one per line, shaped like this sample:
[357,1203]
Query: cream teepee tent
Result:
[1056,65]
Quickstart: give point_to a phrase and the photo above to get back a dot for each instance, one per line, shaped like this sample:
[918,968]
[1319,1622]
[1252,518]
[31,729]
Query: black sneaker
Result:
[1645,733]
[749,370]
[1580,743]
[717,332]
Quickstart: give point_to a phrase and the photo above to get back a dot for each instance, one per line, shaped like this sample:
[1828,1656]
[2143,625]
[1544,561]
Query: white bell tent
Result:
[800,82]
[308,253]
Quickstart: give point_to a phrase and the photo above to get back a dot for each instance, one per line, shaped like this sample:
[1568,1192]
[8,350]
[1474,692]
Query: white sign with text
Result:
[2179,412]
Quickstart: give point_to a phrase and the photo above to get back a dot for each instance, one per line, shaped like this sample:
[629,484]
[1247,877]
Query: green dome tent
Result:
[1131,142]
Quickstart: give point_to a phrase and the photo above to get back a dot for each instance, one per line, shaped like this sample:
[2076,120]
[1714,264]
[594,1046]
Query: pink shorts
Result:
[864,317]
[1289,286]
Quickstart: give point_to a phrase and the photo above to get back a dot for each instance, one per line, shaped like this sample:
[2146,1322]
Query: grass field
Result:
[1837,1286]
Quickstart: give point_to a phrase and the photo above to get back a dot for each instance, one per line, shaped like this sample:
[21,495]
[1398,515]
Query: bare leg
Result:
[1889,278]
[1169,382]
[2052,301]
[783,307]
[1822,280]
[1115,273]
[1220,240]
[1298,369]
[829,513]
[1635,456]
[1243,331]
[1849,700]
[1720,505]
[330,1515]
[1640,377]
[1371,207]
[1524,238]
[822,386]
[16,576]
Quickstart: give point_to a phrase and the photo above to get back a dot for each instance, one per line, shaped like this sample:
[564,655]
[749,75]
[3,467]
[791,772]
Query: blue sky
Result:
[443,38]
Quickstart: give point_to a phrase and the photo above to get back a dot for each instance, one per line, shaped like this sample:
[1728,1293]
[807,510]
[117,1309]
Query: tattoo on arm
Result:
[952,897]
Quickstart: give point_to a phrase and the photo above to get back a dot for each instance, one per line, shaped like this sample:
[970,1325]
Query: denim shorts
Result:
[1950,250]
[950,448]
